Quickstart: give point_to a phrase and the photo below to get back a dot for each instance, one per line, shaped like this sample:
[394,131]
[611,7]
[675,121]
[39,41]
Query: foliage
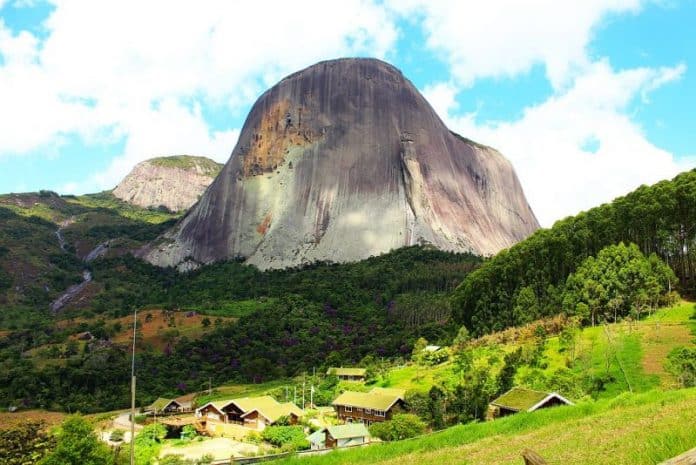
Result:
[77,444]
[25,444]
[147,445]
[173,459]
[401,426]
[286,437]
[292,321]
[116,435]
[619,279]
[582,435]
[681,362]
[532,274]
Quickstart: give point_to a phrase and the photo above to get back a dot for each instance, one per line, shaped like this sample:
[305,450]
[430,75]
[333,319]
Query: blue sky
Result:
[588,101]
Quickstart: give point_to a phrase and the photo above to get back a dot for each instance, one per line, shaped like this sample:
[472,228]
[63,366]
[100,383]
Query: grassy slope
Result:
[633,428]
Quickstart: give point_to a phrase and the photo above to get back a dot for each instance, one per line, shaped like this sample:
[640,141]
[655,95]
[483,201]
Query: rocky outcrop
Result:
[175,183]
[341,161]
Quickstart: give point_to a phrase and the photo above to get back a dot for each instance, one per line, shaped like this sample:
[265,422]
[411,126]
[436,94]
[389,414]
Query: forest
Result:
[658,219]
[314,316]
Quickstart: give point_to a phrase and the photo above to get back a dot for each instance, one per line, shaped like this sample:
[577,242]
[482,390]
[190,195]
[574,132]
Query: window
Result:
[368,411]
[348,409]
[379,413]
[349,420]
[358,409]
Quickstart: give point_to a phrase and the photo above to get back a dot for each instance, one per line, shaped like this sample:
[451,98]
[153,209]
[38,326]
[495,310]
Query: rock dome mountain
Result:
[343,160]
[175,183]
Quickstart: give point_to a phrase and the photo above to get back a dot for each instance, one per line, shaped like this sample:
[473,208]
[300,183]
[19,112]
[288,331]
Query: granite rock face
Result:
[341,161]
[175,183]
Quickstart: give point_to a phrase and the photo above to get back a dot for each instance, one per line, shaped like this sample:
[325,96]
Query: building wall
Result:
[357,414]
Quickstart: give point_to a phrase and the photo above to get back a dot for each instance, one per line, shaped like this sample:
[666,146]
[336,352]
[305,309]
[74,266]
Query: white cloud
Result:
[504,38]
[561,178]
[109,70]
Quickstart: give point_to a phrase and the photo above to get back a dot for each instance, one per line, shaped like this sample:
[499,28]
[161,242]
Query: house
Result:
[164,406]
[249,412]
[351,434]
[520,399]
[380,404]
[348,374]
[431,348]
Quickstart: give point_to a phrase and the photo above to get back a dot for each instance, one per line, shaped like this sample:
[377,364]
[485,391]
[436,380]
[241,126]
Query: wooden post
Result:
[532,458]
[132,438]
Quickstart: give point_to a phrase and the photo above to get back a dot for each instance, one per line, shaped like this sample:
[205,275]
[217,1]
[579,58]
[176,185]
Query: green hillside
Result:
[633,428]
[531,276]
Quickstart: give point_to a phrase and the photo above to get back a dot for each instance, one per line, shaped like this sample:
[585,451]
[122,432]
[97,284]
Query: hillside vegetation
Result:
[659,219]
[633,428]
[186,162]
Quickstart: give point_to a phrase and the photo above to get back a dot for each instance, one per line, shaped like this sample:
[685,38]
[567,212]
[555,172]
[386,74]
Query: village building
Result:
[520,399]
[348,374]
[352,434]
[163,406]
[431,348]
[380,404]
[249,412]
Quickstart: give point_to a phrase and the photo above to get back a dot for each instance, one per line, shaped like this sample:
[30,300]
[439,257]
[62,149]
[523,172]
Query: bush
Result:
[681,362]
[401,426]
[288,438]
[116,435]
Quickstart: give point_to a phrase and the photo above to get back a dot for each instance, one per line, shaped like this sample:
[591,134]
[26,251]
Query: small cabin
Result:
[348,374]
[520,399]
[351,434]
[164,406]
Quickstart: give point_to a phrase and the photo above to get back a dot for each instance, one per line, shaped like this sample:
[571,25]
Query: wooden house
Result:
[163,406]
[350,434]
[348,374]
[249,412]
[378,405]
[520,399]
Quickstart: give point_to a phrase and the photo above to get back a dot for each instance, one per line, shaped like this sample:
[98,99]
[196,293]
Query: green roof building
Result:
[520,399]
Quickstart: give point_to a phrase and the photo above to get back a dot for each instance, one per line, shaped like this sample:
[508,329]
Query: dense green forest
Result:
[659,219]
[314,316]
[614,261]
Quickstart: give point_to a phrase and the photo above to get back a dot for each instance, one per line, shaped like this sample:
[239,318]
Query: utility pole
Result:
[294,397]
[311,396]
[132,438]
[303,398]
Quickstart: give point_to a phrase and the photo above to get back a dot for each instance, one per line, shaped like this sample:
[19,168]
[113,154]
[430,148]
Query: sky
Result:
[588,100]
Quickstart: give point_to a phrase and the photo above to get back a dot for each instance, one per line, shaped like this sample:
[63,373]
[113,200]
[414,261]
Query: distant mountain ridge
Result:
[175,183]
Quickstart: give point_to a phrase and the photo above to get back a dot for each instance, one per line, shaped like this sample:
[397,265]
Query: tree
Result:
[401,426]
[77,444]
[681,362]
[418,349]
[506,375]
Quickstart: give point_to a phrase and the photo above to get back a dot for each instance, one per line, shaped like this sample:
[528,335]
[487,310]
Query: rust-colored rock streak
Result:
[349,160]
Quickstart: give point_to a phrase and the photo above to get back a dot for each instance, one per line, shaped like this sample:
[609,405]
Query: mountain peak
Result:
[173,182]
[343,160]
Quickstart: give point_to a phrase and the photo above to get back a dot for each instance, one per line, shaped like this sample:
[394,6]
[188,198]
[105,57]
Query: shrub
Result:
[116,435]
[288,438]
[681,362]
[401,426]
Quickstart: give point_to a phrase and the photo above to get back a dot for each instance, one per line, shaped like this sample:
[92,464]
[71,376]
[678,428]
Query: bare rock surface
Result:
[341,161]
[175,183]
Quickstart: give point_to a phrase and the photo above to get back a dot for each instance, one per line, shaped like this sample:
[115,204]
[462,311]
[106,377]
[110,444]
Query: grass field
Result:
[631,429]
